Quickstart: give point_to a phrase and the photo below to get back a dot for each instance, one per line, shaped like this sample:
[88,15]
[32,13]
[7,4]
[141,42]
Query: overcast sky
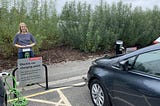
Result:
[143,3]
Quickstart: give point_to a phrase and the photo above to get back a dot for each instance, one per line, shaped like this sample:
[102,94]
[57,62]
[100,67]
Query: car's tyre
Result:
[98,94]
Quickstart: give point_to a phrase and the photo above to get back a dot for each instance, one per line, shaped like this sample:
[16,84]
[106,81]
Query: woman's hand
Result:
[20,46]
[30,45]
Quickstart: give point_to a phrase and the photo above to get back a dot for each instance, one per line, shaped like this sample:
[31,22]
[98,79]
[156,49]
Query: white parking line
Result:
[42,101]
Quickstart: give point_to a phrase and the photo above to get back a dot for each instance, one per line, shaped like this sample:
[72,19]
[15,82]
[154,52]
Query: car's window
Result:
[131,61]
[148,63]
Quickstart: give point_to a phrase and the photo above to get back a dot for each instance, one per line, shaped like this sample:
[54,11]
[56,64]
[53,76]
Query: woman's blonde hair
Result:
[22,24]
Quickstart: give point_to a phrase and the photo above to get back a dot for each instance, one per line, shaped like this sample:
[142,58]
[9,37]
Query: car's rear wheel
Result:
[98,94]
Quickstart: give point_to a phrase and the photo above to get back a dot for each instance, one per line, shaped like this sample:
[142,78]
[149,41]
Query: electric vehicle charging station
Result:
[119,47]
[30,71]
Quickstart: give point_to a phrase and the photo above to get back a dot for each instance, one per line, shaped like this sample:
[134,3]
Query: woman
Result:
[24,41]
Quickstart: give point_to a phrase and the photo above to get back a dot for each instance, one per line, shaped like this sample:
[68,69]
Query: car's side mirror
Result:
[124,65]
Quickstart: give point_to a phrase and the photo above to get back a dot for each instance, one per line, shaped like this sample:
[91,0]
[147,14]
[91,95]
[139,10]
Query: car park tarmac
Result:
[72,95]
[49,97]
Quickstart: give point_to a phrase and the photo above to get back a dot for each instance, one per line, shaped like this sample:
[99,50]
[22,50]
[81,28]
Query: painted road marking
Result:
[63,99]
[42,101]
[52,90]
[59,102]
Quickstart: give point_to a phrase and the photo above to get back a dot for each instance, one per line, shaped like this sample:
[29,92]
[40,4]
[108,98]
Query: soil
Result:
[55,55]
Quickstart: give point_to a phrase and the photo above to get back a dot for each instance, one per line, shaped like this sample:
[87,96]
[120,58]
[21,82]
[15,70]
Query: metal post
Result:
[13,74]
[14,83]
[46,73]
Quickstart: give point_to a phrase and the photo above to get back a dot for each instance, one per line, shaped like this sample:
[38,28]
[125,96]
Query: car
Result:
[3,95]
[131,79]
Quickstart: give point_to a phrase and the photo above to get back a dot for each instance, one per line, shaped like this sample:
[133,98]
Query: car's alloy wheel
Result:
[98,94]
